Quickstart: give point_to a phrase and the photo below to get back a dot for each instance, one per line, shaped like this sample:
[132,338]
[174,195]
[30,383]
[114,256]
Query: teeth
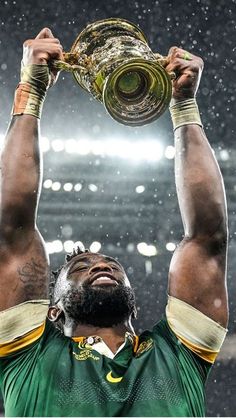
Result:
[104,278]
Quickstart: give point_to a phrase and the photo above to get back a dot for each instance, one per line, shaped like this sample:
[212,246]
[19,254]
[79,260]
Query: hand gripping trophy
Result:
[111,59]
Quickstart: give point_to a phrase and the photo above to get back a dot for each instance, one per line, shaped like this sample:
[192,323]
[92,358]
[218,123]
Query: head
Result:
[91,289]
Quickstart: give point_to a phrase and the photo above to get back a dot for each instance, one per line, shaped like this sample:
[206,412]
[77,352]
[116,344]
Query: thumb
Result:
[45,33]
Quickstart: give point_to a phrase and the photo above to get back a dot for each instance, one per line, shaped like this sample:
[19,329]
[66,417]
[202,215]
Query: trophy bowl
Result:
[111,59]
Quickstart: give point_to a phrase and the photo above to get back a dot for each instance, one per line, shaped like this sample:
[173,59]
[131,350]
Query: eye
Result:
[114,266]
[79,268]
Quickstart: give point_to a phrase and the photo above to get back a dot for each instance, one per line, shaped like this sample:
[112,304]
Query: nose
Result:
[101,266]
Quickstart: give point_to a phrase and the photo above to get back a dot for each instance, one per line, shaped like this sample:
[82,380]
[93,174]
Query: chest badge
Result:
[86,352]
[144,346]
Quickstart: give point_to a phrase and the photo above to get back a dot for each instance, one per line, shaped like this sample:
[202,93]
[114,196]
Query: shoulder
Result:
[23,326]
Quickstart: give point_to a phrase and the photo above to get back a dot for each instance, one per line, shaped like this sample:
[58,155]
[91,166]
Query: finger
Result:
[177,65]
[47,40]
[170,55]
[45,33]
[184,55]
[172,50]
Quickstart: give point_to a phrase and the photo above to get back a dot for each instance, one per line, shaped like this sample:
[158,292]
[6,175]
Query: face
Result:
[93,289]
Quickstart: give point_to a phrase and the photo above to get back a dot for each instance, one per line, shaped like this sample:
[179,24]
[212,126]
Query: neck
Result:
[112,336]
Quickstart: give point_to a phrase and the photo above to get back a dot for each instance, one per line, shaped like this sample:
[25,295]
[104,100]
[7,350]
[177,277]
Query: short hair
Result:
[55,273]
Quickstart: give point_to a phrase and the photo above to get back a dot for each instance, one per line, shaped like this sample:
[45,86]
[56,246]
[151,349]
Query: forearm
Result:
[199,184]
[20,172]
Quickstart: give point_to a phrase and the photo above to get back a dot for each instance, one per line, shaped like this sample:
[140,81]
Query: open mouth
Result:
[104,280]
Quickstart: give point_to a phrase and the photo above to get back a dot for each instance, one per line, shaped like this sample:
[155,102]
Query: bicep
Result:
[24,270]
[197,276]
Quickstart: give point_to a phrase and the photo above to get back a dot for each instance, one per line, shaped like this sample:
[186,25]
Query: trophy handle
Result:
[69,63]
[71,59]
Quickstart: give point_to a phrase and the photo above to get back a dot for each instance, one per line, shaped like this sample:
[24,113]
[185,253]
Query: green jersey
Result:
[57,376]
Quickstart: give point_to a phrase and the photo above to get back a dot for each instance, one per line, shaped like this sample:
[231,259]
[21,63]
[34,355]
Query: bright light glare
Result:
[47,184]
[95,247]
[170,246]
[93,187]
[68,246]
[150,150]
[44,143]
[136,150]
[71,146]
[170,152]
[56,186]
[145,249]
[1,140]
[78,187]
[83,147]
[57,145]
[54,247]
[224,155]
[68,187]
[140,189]
[80,245]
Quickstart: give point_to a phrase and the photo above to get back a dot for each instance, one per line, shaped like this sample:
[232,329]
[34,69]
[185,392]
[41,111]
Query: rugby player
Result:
[80,356]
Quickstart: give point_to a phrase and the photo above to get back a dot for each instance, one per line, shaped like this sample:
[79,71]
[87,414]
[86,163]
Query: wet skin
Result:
[92,269]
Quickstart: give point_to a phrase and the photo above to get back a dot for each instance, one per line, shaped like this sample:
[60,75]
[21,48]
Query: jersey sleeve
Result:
[198,332]
[21,326]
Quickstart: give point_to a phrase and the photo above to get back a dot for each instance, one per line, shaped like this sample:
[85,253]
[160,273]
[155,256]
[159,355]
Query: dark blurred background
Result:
[115,189]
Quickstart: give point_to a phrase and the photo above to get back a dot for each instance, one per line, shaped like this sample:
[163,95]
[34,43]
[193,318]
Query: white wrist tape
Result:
[184,113]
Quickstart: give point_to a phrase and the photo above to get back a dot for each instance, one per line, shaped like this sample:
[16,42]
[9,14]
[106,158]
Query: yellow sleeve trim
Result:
[21,342]
[205,354]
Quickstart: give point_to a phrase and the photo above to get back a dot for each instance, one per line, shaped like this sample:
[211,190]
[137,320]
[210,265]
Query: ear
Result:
[55,313]
[134,313]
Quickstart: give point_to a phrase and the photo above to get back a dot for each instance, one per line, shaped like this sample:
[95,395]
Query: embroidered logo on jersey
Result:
[85,355]
[112,379]
[144,346]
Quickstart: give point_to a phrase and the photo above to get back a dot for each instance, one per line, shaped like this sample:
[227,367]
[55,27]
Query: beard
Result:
[100,306]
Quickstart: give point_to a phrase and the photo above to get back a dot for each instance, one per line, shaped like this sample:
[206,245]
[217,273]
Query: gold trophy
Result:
[111,59]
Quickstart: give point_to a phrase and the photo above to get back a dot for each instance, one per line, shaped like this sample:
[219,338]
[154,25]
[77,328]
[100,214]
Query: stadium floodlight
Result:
[68,187]
[77,187]
[224,155]
[47,184]
[56,185]
[68,246]
[54,246]
[170,246]
[44,143]
[140,189]
[151,150]
[147,250]
[57,246]
[170,152]
[71,146]
[95,247]
[80,245]
[84,147]
[93,187]
[57,145]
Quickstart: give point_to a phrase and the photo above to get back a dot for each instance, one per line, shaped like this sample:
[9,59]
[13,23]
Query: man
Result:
[92,363]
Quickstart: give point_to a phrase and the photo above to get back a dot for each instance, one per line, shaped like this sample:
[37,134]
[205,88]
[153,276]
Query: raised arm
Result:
[198,267]
[23,259]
